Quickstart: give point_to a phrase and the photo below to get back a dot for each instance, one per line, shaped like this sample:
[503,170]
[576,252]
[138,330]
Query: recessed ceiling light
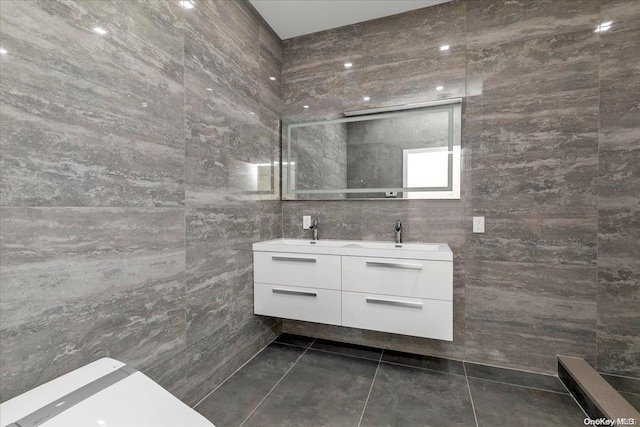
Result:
[272,78]
[440,88]
[366,98]
[348,65]
[305,107]
[187,4]
[604,26]
[100,30]
[444,47]
[3,51]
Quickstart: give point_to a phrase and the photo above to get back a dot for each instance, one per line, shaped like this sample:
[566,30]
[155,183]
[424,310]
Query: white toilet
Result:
[105,393]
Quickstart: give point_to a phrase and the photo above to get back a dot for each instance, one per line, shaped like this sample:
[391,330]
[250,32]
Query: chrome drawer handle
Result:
[290,292]
[407,304]
[290,258]
[394,265]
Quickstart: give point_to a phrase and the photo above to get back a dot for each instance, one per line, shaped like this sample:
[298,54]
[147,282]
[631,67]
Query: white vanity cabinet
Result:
[397,288]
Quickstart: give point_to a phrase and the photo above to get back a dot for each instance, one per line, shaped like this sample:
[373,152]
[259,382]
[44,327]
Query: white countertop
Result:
[425,251]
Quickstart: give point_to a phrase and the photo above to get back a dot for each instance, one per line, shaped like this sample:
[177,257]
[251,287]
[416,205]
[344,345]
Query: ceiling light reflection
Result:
[187,4]
[444,47]
[348,65]
[3,51]
[604,26]
[100,30]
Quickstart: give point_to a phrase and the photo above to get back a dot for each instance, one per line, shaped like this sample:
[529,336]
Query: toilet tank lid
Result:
[32,400]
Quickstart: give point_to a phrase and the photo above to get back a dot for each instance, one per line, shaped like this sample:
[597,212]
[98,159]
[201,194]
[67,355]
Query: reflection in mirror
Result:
[409,153]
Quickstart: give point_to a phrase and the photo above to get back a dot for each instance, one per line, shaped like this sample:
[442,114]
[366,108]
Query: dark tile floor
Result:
[299,381]
[629,388]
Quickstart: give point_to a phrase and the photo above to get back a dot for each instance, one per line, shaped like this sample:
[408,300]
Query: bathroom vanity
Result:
[402,288]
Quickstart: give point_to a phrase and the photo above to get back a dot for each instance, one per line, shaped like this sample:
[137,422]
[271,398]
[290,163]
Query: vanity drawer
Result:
[402,277]
[399,315]
[299,303]
[295,269]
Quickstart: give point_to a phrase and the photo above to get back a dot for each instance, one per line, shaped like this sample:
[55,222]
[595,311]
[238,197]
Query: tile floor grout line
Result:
[342,354]
[292,345]
[366,402]
[421,368]
[276,385]
[521,386]
[235,372]
[473,407]
[504,368]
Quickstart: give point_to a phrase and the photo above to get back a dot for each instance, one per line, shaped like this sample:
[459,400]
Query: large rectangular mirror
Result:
[409,152]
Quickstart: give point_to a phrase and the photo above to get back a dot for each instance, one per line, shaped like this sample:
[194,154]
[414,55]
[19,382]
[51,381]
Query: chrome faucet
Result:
[314,228]
[399,231]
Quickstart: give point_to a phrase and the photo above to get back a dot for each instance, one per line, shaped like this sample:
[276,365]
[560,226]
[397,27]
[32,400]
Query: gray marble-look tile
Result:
[624,14]
[270,90]
[347,349]
[171,373]
[224,58]
[493,22]
[619,200]
[411,80]
[520,315]
[321,389]
[619,87]
[216,357]
[314,74]
[549,122]
[618,183]
[538,180]
[562,65]
[336,219]
[618,319]
[495,402]
[320,157]
[515,377]
[219,262]
[54,258]
[403,396]
[568,236]
[148,325]
[393,38]
[227,90]
[425,362]
[82,283]
[232,402]
[89,119]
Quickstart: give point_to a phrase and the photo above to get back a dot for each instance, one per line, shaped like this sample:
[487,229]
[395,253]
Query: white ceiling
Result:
[292,18]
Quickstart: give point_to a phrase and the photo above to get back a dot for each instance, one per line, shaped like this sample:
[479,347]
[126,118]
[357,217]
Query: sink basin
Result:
[392,246]
[432,251]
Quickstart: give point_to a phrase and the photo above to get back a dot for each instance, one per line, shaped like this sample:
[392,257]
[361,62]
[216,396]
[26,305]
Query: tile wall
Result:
[551,139]
[126,217]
